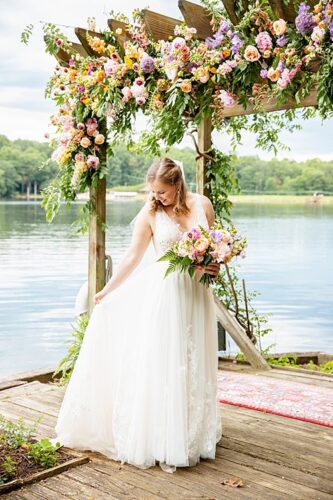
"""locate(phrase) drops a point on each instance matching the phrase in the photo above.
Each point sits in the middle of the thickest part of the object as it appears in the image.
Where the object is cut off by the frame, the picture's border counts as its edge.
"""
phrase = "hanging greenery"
(176, 83)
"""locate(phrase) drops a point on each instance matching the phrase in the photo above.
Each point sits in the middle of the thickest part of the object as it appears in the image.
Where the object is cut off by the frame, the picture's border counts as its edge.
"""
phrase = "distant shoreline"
(236, 199)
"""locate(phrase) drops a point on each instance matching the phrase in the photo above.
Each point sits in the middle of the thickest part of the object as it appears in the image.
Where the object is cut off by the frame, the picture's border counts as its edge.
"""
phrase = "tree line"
(21, 173)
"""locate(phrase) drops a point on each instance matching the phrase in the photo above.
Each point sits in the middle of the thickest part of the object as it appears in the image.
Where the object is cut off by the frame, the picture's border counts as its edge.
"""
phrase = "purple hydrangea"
(264, 41)
(281, 41)
(147, 64)
(263, 73)
(304, 21)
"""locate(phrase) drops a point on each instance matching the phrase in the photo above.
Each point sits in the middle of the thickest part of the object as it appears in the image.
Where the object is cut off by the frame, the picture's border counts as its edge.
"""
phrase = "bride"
(143, 389)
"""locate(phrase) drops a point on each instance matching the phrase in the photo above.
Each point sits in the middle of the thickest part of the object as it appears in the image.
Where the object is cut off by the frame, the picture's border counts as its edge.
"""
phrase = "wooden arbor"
(161, 27)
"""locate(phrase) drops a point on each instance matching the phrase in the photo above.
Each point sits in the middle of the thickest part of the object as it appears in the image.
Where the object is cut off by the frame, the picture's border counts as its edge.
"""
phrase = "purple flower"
(280, 66)
(82, 88)
(217, 236)
(196, 233)
(281, 41)
(212, 42)
(263, 73)
(71, 62)
(304, 21)
(264, 41)
(236, 43)
(224, 27)
(147, 64)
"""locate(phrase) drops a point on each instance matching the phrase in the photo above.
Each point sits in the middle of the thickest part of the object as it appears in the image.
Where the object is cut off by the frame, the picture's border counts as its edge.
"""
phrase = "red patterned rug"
(272, 395)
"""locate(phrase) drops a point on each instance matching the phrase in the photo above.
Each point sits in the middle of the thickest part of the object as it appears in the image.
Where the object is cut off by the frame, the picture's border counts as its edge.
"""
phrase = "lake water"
(289, 261)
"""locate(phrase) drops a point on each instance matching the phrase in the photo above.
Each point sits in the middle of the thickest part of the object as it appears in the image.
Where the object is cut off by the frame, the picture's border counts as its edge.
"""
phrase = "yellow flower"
(128, 62)
(212, 69)
(226, 53)
(85, 100)
(119, 31)
(267, 54)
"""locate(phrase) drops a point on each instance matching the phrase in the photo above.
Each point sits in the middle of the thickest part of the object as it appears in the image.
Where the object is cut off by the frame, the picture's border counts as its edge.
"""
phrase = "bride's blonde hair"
(168, 172)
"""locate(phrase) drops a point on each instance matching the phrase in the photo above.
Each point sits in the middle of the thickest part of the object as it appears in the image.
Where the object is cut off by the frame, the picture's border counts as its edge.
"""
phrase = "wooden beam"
(237, 333)
(159, 26)
(196, 16)
(272, 105)
(82, 33)
(230, 7)
(204, 144)
(287, 11)
(96, 264)
(124, 36)
(63, 57)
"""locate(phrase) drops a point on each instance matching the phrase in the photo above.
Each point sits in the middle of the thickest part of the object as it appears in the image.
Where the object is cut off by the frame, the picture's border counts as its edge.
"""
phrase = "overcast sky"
(25, 70)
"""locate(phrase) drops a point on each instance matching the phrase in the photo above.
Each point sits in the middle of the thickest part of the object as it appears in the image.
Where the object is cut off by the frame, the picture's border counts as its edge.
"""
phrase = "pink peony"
(93, 161)
(110, 67)
(178, 43)
(251, 53)
(127, 93)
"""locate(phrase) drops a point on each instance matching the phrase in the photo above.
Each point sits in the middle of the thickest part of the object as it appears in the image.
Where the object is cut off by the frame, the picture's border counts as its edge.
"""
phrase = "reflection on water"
(43, 266)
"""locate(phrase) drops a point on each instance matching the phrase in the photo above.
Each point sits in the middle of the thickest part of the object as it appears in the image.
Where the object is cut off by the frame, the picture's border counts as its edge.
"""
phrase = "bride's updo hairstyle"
(168, 172)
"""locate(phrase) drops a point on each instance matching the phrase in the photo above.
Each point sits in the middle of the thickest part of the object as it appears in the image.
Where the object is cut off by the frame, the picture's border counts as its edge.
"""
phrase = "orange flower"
(226, 53)
(186, 86)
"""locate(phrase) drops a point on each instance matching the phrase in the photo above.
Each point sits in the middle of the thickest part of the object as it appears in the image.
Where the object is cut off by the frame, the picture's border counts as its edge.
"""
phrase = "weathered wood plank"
(290, 474)
(270, 105)
(196, 16)
(237, 333)
(287, 10)
(159, 26)
(82, 34)
(119, 25)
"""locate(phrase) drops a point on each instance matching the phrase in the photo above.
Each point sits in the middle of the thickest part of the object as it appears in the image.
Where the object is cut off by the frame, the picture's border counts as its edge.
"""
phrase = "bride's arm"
(140, 240)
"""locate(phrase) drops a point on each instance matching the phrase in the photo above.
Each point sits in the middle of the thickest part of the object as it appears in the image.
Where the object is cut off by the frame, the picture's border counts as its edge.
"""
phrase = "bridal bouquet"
(199, 247)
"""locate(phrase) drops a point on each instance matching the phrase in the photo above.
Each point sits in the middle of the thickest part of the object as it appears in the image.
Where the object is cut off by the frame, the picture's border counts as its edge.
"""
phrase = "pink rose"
(93, 161)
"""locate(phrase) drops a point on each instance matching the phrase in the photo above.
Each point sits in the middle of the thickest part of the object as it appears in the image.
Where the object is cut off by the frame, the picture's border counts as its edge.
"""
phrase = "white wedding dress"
(144, 386)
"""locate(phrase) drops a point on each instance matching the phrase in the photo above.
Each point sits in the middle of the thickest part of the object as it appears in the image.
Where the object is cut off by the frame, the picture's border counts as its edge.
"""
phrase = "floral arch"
(224, 66)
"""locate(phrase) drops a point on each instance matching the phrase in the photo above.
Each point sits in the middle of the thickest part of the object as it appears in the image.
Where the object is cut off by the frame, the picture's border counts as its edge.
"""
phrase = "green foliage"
(327, 367)
(229, 289)
(26, 34)
(66, 365)
(15, 434)
(284, 360)
(7, 469)
(43, 453)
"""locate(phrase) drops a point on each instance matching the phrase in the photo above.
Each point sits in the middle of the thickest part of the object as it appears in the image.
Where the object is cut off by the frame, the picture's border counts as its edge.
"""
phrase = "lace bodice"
(168, 231)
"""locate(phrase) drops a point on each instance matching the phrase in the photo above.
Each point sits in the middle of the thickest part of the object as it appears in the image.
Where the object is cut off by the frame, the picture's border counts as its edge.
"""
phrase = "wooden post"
(204, 144)
(96, 265)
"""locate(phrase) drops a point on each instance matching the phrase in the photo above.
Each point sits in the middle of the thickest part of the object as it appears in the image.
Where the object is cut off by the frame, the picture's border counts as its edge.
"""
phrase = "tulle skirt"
(144, 386)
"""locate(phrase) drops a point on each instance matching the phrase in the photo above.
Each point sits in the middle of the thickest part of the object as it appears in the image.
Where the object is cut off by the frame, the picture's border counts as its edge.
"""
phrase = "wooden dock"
(275, 457)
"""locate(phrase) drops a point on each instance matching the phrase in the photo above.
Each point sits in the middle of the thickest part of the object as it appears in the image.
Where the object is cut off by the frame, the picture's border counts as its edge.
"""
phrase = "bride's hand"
(213, 268)
(99, 296)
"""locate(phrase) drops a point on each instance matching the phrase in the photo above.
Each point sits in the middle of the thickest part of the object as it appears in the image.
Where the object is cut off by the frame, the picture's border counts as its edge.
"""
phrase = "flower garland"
(178, 82)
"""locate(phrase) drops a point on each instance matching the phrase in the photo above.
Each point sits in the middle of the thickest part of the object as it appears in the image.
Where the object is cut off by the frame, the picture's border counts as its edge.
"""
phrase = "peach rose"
(251, 53)
(85, 142)
(279, 27)
(202, 74)
(201, 245)
(273, 74)
(99, 139)
(186, 86)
